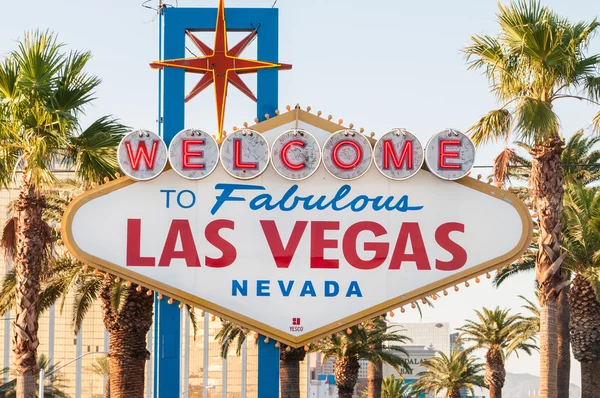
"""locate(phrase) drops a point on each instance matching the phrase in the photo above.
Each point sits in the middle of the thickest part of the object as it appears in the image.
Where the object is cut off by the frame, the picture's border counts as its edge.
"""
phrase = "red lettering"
(338, 162)
(379, 248)
(459, 254)
(237, 157)
(318, 244)
(284, 159)
(212, 236)
(141, 151)
(445, 154)
(180, 229)
(282, 255)
(187, 154)
(406, 155)
(134, 238)
(412, 231)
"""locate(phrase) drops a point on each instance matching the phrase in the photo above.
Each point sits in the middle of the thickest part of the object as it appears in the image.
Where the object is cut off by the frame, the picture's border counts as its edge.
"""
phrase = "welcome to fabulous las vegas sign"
(295, 228)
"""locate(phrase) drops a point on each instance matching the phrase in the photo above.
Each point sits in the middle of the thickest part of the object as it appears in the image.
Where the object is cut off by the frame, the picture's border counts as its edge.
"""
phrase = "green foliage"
(536, 59)
(459, 370)
(43, 91)
(360, 343)
(101, 367)
(498, 330)
(581, 234)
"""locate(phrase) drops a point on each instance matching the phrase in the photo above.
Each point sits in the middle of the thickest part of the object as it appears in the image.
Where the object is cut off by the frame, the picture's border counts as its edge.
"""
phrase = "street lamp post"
(43, 372)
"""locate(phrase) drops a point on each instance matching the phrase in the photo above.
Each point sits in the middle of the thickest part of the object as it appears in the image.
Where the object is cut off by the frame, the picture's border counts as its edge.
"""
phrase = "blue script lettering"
(290, 200)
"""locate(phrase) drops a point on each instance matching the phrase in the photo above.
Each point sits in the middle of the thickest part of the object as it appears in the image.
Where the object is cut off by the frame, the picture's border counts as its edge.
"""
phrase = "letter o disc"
(193, 154)
(245, 154)
(142, 155)
(393, 145)
(347, 154)
(453, 149)
(296, 154)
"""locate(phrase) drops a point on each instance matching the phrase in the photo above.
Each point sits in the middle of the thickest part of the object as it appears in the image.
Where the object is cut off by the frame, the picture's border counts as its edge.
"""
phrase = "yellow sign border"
(289, 339)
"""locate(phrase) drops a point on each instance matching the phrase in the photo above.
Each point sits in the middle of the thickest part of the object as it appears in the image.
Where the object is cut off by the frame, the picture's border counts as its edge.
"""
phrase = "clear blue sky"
(378, 64)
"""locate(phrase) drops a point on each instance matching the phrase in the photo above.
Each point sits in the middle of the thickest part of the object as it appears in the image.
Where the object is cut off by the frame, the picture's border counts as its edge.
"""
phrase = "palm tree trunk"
(345, 371)
(374, 378)
(32, 237)
(590, 379)
(495, 374)
(107, 388)
(127, 328)
(564, 344)
(453, 393)
(546, 183)
(289, 371)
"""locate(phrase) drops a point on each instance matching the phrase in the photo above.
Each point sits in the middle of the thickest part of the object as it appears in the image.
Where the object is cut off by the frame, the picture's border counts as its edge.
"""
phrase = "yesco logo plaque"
(297, 232)
(296, 154)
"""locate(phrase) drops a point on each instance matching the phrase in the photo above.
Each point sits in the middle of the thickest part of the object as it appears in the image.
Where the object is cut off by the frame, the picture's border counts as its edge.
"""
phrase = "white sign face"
(347, 155)
(450, 154)
(297, 260)
(296, 154)
(398, 154)
(142, 155)
(245, 154)
(193, 154)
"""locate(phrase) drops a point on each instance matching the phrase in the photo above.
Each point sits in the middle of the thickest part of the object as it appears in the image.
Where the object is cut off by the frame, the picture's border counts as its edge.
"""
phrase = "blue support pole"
(167, 317)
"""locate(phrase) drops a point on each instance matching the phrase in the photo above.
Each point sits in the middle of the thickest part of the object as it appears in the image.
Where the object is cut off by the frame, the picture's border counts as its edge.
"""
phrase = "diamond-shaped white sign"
(296, 260)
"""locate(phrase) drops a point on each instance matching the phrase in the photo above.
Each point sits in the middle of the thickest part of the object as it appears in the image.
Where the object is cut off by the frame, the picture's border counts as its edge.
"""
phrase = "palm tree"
(582, 243)
(54, 382)
(538, 59)
(450, 374)
(43, 90)
(101, 368)
(357, 343)
(579, 150)
(394, 387)
(501, 334)
(289, 357)
(127, 309)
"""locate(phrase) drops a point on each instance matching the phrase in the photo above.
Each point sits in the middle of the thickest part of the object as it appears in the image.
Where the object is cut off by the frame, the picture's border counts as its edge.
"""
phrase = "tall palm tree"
(450, 374)
(581, 165)
(501, 334)
(582, 243)
(394, 387)
(43, 90)
(289, 357)
(357, 343)
(537, 60)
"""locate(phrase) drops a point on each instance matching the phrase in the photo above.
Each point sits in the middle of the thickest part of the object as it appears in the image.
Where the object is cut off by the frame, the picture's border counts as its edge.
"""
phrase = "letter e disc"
(193, 154)
(347, 154)
(398, 155)
(142, 155)
(296, 154)
(450, 154)
(245, 154)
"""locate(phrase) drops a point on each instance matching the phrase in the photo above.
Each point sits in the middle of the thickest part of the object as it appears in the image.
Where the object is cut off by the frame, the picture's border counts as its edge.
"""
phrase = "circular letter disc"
(347, 154)
(295, 154)
(398, 155)
(193, 154)
(450, 155)
(142, 155)
(245, 154)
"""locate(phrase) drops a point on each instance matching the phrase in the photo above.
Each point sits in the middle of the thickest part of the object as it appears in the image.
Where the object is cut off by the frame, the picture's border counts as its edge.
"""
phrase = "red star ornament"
(220, 65)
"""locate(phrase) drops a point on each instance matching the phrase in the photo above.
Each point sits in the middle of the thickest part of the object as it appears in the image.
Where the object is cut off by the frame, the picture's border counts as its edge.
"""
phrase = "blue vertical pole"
(167, 319)
(268, 99)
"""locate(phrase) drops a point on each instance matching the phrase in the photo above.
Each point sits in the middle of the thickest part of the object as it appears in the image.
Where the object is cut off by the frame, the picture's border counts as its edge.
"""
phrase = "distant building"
(431, 335)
